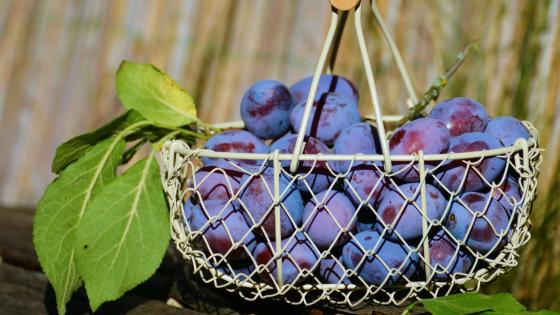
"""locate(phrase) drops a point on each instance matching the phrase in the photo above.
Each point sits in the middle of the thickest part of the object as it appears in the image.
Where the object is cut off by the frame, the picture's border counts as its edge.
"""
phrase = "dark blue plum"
(319, 178)
(508, 193)
(298, 255)
(487, 226)
(327, 83)
(425, 134)
(329, 116)
(218, 182)
(332, 271)
(321, 221)
(452, 172)
(461, 115)
(239, 141)
(371, 268)
(358, 138)
(365, 183)
(224, 228)
(507, 129)
(447, 258)
(407, 221)
(256, 197)
(265, 109)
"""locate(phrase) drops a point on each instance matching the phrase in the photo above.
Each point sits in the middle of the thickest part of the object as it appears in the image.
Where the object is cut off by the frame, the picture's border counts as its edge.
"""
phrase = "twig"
(433, 92)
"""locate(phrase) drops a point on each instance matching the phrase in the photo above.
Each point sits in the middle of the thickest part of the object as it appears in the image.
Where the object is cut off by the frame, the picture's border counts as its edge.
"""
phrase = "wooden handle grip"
(344, 5)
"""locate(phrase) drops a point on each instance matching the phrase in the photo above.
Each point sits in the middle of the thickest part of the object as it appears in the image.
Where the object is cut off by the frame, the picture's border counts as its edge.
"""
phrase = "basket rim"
(520, 145)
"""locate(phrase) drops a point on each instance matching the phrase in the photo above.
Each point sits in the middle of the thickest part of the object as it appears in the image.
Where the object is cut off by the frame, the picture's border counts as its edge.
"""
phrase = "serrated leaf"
(470, 303)
(63, 206)
(75, 148)
(154, 94)
(124, 234)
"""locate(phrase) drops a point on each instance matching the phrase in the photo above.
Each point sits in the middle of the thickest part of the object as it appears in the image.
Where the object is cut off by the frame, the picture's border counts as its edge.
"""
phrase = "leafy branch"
(106, 231)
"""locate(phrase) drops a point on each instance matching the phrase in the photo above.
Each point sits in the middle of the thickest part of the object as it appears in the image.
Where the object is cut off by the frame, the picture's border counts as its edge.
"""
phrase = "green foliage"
(76, 147)
(61, 209)
(106, 231)
(155, 95)
(123, 237)
(475, 303)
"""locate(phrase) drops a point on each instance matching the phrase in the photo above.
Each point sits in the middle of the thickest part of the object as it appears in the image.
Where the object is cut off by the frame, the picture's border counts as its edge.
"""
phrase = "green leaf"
(76, 147)
(470, 303)
(154, 94)
(62, 207)
(124, 233)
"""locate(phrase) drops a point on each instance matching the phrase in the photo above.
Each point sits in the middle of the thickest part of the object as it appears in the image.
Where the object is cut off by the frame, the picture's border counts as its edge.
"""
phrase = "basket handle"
(372, 90)
(313, 89)
(335, 29)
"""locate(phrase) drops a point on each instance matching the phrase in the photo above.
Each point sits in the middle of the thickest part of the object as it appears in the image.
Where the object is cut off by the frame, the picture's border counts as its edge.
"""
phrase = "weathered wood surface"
(26, 290)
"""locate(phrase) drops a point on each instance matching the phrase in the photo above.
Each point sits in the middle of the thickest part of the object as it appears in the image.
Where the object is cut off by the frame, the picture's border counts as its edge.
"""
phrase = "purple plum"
(425, 134)
(358, 138)
(507, 129)
(461, 115)
(319, 178)
(298, 254)
(488, 224)
(327, 83)
(239, 141)
(406, 217)
(265, 109)
(223, 227)
(256, 197)
(329, 116)
(452, 172)
(389, 263)
(321, 221)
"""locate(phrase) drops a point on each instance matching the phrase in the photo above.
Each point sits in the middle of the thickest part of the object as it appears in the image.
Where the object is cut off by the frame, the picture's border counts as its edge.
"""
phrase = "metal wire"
(181, 162)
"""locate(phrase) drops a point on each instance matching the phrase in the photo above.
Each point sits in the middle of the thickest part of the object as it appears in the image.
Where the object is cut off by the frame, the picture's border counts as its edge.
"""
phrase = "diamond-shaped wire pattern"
(263, 232)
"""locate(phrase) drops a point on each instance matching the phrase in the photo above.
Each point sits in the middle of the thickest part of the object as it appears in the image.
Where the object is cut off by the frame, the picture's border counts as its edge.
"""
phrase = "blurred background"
(58, 59)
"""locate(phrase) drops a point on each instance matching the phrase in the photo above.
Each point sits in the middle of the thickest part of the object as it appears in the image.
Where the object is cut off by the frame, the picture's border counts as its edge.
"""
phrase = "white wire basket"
(275, 256)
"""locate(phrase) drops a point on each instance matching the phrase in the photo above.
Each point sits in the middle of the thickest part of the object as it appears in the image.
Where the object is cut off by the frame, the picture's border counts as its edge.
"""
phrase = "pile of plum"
(348, 221)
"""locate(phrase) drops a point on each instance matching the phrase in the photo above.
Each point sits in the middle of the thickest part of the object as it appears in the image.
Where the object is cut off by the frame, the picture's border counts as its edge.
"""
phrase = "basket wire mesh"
(231, 263)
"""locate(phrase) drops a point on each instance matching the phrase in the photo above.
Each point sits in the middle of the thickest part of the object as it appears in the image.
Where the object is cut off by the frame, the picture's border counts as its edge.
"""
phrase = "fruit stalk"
(433, 91)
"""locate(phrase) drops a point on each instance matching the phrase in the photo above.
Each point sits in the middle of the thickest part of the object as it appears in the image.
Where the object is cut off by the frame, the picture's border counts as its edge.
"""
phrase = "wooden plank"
(16, 243)
(28, 292)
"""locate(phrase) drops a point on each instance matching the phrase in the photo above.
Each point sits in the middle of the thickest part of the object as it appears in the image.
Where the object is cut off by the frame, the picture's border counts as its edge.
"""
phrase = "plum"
(265, 109)
(332, 271)
(358, 138)
(323, 227)
(298, 254)
(224, 228)
(389, 263)
(447, 258)
(508, 193)
(239, 141)
(407, 221)
(327, 83)
(329, 116)
(217, 182)
(365, 183)
(487, 225)
(319, 178)
(425, 134)
(452, 172)
(461, 115)
(507, 129)
(256, 197)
